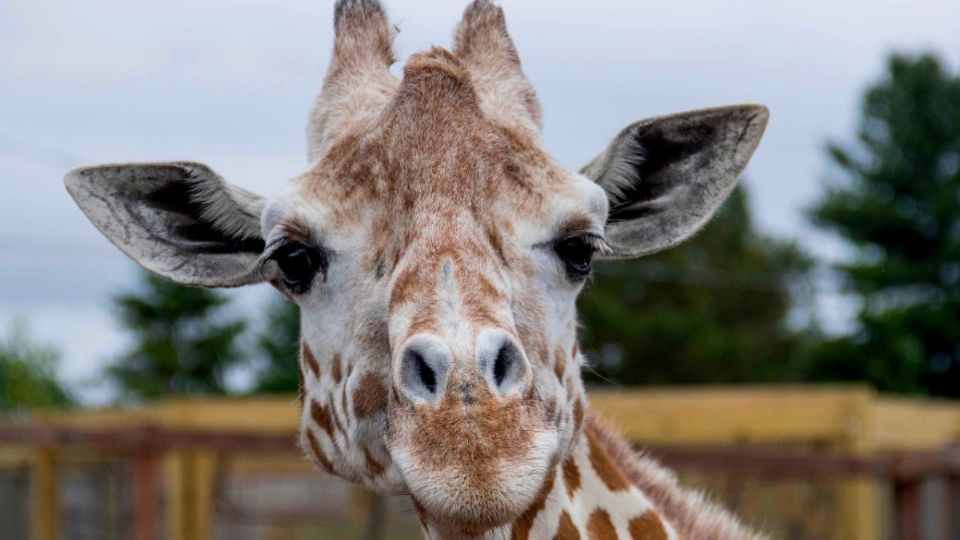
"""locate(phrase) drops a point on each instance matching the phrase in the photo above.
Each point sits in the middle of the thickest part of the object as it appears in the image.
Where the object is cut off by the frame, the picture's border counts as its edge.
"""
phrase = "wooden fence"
(871, 444)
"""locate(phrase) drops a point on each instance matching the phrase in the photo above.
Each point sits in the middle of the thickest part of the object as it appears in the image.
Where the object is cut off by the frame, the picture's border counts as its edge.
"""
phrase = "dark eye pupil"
(298, 264)
(576, 255)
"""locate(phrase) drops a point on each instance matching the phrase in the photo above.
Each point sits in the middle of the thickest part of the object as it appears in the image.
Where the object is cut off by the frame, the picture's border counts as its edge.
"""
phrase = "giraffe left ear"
(665, 177)
(181, 221)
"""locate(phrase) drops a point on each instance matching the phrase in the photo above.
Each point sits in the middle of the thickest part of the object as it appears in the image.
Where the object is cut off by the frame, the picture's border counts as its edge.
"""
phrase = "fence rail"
(872, 444)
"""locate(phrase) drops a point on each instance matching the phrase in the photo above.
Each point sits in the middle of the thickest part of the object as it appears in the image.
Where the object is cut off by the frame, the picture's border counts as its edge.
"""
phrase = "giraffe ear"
(178, 220)
(665, 177)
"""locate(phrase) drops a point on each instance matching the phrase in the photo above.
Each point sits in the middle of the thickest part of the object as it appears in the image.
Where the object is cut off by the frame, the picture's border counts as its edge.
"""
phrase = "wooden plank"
(146, 500)
(860, 497)
(725, 415)
(191, 483)
(203, 470)
(662, 415)
(176, 475)
(46, 496)
(952, 504)
(914, 425)
(775, 464)
(16, 456)
(907, 501)
(262, 415)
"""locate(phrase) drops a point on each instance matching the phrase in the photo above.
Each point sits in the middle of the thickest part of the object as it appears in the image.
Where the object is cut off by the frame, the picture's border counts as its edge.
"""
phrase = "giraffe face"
(436, 262)
(436, 252)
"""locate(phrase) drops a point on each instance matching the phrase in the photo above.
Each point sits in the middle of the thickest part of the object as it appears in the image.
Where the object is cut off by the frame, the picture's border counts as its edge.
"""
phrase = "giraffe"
(436, 251)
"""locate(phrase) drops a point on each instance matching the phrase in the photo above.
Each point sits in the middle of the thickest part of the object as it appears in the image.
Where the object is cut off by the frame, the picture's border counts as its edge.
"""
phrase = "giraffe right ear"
(179, 220)
(665, 177)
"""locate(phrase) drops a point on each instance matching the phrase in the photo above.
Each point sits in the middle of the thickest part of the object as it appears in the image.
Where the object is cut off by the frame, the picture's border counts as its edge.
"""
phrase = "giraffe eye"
(298, 266)
(576, 253)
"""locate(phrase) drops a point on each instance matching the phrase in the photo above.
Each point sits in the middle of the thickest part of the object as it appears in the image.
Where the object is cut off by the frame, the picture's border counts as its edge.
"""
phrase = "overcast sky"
(229, 83)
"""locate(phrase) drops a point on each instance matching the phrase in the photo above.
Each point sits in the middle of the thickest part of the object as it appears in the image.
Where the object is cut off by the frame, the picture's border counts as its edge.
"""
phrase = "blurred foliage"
(28, 373)
(279, 345)
(897, 202)
(182, 341)
(714, 309)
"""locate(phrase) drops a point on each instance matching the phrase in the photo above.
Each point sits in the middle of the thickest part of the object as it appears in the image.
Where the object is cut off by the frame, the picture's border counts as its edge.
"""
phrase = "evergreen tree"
(28, 373)
(279, 344)
(713, 309)
(183, 342)
(897, 201)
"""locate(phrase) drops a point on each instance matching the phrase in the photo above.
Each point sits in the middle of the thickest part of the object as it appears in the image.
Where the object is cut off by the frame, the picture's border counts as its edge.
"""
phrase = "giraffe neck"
(589, 495)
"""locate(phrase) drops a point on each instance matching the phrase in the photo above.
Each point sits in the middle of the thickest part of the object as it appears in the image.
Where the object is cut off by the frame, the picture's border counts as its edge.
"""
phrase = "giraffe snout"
(427, 370)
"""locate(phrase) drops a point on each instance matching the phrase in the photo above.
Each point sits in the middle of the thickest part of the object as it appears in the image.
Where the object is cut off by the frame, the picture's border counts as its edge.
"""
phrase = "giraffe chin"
(451, 499)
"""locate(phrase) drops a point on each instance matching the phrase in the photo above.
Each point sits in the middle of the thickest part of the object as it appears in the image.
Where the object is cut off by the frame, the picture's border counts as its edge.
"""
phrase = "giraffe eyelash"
(598, 244)
(269, 250)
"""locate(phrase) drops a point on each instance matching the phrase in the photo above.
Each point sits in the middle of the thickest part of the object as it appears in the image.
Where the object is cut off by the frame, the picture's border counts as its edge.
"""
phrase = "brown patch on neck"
(599, 526)
(577, 415)
(335, 370)
(321, 415)
(336, 420)
(370, 396)
(309, 359)
(566, 530)
(318, 453)
(523, 524)
(571, 476)
(686, 510)
(606, 469)
(560, 362)
(647, 526)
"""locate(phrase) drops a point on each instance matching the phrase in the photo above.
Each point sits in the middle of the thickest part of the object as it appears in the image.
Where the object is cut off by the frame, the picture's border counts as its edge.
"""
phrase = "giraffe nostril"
(502, 365)
(428, 377)
(423, 367)
(502, 362)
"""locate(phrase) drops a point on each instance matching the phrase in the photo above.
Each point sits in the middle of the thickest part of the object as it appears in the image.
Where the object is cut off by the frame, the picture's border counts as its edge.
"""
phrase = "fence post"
(204, 492)
(190, 489)
(907, 495)
(46, 495)
(953, 507)
(177, 495)
(860, 495)
(146, 496)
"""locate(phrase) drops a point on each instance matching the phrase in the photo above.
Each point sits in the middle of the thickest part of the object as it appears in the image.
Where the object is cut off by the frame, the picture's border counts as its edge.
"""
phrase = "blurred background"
(797, 358)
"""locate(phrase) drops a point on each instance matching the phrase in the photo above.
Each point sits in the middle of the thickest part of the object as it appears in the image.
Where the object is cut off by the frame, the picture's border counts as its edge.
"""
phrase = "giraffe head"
(436, 252)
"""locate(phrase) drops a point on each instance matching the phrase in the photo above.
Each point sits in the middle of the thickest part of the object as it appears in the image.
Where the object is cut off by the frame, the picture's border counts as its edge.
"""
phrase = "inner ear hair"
(231, 210)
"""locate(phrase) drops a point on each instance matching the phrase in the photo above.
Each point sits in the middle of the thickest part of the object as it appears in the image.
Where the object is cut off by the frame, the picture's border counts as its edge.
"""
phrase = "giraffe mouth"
(473, 467)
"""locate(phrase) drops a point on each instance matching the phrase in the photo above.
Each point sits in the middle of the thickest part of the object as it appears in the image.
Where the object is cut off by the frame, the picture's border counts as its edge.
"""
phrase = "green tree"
(28, 373)
(279, 343)
(714, 309)
(896, 200)
(184, 342)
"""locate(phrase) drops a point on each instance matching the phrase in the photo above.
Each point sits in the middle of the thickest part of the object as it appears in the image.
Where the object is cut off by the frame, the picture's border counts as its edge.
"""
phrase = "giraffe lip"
(472, 511)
